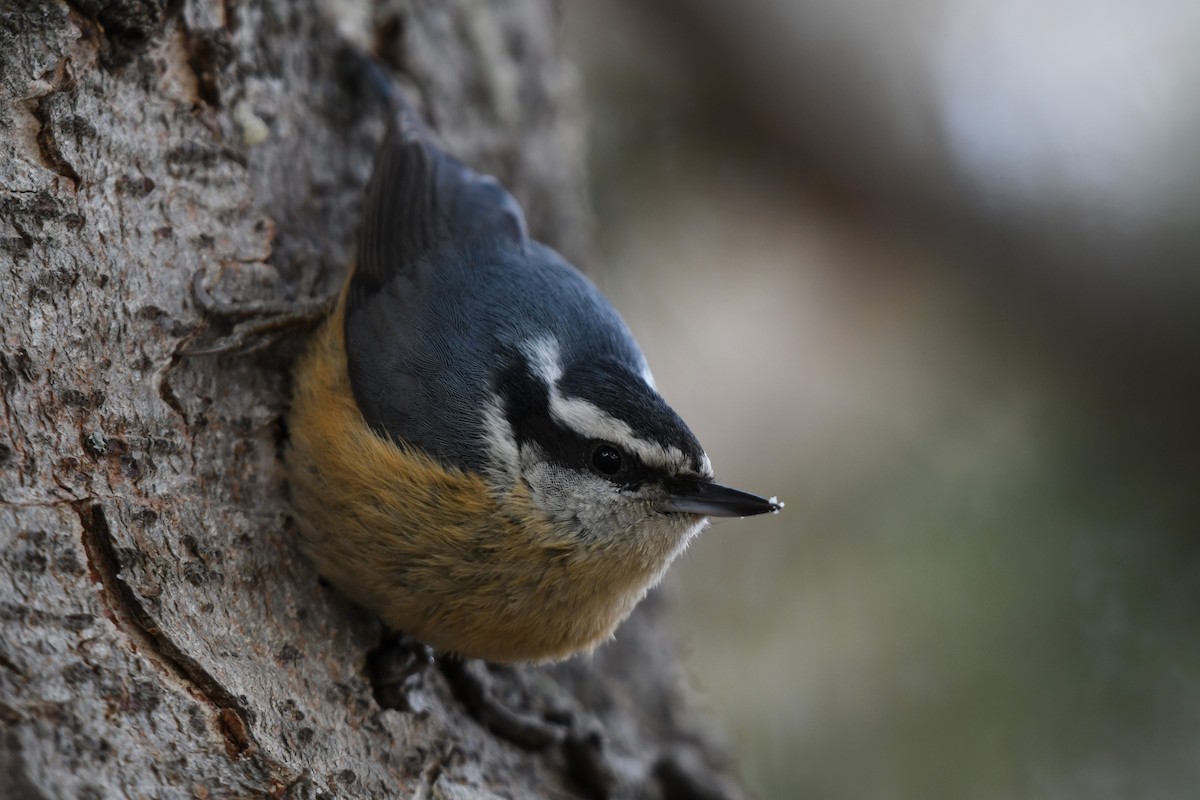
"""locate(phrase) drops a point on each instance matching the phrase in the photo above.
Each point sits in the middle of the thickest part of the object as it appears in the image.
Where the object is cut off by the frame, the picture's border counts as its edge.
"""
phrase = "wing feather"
(423, 208)
(421, 198)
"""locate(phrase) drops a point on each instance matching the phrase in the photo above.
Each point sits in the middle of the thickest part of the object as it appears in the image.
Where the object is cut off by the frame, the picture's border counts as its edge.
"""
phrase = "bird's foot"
(397, 670)
(254, 325)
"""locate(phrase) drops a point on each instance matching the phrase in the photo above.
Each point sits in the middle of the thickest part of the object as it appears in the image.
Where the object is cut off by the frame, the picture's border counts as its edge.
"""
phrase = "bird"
(478, 452)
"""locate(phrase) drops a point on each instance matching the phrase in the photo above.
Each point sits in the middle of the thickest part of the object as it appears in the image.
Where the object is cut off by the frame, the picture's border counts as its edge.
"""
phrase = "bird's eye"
(606, 459)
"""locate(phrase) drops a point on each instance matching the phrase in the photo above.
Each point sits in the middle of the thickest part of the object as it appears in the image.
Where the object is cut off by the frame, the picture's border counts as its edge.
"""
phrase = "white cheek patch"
(590, 507)
(591, 422)
(585, 501)
(500, 441)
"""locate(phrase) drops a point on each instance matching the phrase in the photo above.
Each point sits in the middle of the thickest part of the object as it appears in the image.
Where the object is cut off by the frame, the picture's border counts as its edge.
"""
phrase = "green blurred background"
(930, 272)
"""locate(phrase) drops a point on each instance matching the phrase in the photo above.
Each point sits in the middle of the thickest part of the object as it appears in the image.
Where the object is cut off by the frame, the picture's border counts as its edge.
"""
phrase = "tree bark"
(160, 636)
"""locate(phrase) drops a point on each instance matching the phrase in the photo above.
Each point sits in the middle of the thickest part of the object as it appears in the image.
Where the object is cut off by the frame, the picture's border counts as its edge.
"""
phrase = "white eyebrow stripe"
(648, 376)
(592, 422)
(544, 359)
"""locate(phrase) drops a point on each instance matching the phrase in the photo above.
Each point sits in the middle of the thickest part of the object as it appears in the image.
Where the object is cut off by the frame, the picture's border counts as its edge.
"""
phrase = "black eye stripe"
(527, 408)
(622, 394)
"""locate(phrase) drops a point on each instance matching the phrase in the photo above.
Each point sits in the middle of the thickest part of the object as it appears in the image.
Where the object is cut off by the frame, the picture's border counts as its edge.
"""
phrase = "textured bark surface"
(159, 634)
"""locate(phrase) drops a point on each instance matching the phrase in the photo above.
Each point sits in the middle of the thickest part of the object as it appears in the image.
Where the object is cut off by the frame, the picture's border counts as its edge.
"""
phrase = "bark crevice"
(126, 611)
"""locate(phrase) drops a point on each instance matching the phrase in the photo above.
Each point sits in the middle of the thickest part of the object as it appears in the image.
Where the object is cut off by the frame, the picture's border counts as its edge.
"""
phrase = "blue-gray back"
(448, 289)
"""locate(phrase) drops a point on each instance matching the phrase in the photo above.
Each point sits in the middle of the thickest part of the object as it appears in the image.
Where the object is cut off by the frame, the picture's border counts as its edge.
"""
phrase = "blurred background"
(930, 272)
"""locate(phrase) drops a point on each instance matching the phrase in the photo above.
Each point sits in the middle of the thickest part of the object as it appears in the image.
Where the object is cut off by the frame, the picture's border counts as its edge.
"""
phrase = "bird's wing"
(423, 208)
(420, 199)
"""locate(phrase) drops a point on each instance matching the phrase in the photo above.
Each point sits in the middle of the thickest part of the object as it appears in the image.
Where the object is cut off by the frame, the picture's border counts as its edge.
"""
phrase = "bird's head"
(600, 452)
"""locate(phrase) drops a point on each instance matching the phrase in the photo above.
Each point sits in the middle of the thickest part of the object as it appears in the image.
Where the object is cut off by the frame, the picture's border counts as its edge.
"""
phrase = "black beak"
(715, 500)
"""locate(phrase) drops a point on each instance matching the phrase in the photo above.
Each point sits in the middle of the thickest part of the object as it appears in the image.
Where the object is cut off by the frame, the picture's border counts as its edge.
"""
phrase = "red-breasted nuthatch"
(478, 452)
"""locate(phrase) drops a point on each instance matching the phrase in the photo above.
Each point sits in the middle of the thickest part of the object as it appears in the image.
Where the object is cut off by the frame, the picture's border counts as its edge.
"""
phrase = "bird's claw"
(258, 324)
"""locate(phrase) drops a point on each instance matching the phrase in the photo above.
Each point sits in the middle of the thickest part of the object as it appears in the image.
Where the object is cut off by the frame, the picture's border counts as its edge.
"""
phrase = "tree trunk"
(160, 636)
